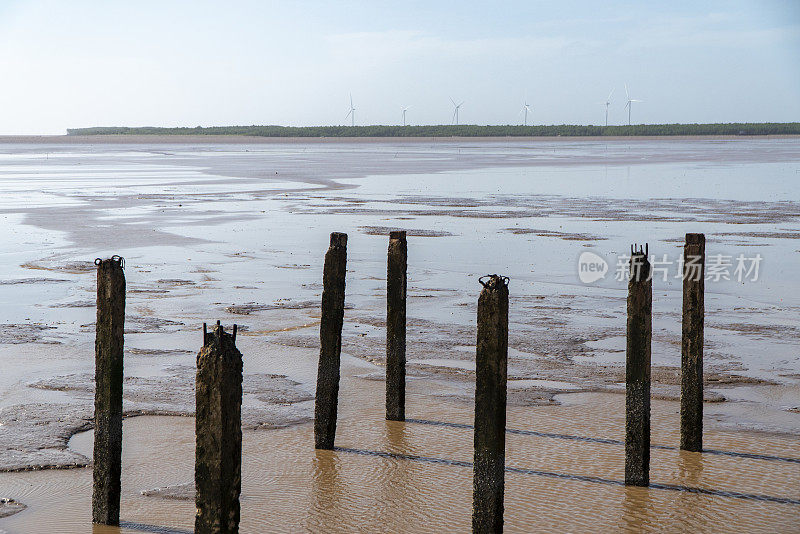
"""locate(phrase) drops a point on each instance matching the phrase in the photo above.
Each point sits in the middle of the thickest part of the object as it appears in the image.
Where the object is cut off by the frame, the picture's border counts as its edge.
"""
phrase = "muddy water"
(416, 476)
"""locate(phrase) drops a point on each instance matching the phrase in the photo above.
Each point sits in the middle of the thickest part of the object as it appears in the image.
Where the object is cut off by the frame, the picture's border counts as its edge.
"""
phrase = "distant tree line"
(461, 130)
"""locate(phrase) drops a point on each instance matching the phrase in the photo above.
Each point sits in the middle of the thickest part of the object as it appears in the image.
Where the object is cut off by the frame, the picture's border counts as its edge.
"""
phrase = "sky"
(201, 63)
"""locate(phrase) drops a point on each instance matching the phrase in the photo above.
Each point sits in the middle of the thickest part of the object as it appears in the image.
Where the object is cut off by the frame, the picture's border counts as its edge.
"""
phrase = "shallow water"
(416, 476)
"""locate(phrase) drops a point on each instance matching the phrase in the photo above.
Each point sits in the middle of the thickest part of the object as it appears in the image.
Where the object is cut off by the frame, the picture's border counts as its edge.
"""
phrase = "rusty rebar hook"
(115, 257)
(505, 279)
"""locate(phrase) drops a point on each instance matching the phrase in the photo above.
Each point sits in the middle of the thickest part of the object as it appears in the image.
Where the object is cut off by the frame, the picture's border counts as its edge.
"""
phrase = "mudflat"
(214, 229)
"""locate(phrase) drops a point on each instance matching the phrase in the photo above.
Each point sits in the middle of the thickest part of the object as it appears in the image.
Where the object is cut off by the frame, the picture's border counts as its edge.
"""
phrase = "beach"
(235, 230)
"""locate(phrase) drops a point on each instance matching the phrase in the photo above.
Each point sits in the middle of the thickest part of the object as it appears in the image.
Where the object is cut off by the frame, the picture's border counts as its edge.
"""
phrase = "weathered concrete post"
(108, 346)
(488, 483)
(694, 257)
(637, 371)
(396, 327)
(218, 433)
(330, 337)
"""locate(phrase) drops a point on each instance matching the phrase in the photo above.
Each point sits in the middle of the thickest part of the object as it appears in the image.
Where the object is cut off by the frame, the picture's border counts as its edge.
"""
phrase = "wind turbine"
(608, 103)
(351, 113)
(526, 109)
(630, 101)
(455, 111)
(404, 114)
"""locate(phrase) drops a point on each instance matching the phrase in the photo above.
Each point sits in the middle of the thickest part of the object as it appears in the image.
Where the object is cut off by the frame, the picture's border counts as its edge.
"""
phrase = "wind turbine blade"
(351, 100)
(453, 101)
(348, 113)
(461, 104)
(609, 95)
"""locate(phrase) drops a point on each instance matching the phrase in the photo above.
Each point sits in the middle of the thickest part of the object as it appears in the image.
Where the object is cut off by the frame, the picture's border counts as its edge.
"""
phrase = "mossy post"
(330, 337)
(637, 370)
(396, 267)
(108, 347)
(488, 483)
(218, 433)
(694, 257)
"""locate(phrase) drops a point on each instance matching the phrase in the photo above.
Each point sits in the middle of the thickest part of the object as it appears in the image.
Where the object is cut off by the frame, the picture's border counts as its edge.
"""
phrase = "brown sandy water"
(416, 477)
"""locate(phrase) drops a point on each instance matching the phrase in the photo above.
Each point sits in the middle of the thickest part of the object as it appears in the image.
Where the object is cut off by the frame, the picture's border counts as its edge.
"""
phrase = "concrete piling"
(490, 406)
(218, 422)
(637, 370)
(108, 347)
(694, 256)
(330, 336)
(396, 327)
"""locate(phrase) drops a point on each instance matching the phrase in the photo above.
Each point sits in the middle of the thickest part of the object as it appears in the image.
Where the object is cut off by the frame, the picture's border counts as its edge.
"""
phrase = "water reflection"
(397, 480)
(327, 490)
(637, 509)
(690, 467)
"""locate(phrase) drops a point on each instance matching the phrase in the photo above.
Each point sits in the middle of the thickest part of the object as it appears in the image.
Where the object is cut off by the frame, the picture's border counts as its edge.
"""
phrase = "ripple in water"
(417, 477)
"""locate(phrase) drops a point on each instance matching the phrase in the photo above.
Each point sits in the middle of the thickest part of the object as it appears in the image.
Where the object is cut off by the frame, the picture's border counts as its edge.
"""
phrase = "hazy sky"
(165, 63)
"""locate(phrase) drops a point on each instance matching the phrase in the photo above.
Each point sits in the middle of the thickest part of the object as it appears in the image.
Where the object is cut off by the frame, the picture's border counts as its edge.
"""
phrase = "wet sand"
(212, 232)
